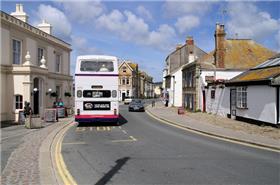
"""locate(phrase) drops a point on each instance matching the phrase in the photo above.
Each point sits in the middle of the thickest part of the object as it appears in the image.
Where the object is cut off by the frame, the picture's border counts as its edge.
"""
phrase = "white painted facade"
(219, 75)
(220, 105)
(176, 89)
(22, 78)
(261, 103)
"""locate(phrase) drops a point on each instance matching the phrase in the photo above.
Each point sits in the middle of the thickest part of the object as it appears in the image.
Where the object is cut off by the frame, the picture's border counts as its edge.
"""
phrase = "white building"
(35, 66)
(173, 78)
(257, 93)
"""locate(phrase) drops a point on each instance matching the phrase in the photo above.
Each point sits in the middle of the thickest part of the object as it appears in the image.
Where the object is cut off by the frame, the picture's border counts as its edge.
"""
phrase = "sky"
(145, 32)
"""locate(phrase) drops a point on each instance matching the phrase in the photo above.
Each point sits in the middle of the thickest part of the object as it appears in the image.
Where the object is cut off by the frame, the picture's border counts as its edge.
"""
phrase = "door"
(204, 101)
(123, 96)
(233, 102)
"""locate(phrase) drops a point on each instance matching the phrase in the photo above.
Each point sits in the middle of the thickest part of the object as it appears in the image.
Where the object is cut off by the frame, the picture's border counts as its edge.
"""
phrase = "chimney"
(20, 14)
(220, 48)
(46, 27)
(190, 49)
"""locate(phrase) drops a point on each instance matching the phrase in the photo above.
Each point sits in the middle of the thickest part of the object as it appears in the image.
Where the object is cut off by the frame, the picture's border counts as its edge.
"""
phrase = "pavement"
(21, 160)
(217, 126)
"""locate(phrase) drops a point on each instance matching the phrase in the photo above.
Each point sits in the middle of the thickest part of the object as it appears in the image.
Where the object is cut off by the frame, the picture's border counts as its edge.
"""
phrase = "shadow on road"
(108, 176)
(122, 121)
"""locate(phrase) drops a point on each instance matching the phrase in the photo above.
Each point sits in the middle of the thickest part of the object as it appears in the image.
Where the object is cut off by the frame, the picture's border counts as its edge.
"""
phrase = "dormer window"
(124, 69)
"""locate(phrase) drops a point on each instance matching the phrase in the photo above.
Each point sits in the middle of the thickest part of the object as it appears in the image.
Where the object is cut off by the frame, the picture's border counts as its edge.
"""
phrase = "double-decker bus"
(96, 86)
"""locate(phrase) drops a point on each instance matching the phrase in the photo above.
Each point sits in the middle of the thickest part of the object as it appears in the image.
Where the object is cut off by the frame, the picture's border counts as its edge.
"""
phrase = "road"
(145, 151)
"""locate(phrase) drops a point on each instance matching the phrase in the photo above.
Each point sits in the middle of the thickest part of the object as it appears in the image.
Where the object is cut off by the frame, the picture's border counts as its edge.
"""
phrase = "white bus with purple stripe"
(96, 86)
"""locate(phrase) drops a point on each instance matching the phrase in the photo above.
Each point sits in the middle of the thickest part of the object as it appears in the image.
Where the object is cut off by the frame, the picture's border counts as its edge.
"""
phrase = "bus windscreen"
(97, 66)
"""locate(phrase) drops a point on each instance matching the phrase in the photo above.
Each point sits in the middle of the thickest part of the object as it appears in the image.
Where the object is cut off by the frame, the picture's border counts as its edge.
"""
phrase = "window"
(127, 81)
(18, 101)
(120, 81)
(212, 94)
(39, 55)
(97, 66)
(123, 81)
(16, 52)
(57, 63)
(127, 93)
(124, 69)
(241, 97)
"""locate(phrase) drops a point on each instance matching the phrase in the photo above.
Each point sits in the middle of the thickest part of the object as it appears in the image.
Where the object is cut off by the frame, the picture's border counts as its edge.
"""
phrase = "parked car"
(127, 100)
(136, 105)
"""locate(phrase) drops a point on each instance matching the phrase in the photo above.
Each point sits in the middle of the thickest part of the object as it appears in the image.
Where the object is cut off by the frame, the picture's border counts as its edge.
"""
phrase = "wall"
(177, 83)
(220, 105)
(261, 103)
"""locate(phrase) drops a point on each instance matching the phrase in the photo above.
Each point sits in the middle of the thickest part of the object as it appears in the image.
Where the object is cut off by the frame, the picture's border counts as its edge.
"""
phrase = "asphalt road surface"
(145, 151)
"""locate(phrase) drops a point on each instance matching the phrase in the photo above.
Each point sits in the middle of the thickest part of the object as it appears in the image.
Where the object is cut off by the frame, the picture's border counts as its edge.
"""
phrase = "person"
(166, 103)
(56, 112)
(103, 68)
(27, 109)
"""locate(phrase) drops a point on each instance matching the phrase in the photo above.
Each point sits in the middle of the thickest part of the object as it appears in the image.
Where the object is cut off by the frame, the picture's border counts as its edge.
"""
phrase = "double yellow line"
(62, 170)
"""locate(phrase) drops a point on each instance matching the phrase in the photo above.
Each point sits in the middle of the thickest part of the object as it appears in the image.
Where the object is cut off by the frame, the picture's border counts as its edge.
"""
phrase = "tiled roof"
(240, 54)
(245, 54)
(258, 74)
(133, 66)
(266, 71)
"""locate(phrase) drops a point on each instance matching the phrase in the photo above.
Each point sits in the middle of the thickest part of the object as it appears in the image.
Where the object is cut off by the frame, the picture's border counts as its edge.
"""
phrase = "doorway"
(232, 103)
(37, 96)
(123, 96)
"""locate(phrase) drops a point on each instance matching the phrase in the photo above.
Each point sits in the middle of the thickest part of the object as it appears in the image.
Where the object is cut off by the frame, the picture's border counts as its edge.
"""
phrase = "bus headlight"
(79, 93)
(114, 93)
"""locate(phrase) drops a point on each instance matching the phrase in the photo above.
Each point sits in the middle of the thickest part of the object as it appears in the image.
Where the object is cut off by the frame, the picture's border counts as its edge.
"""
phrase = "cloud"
(277, 38)
(60, 24)
(142, 11)
(248, 21)
(82, 11)
(81, 46)
(186, 23)
(131, 28)
(181, 8)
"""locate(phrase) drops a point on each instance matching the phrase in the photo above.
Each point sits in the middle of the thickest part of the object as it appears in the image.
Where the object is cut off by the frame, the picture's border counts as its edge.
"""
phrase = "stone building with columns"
(35, 66)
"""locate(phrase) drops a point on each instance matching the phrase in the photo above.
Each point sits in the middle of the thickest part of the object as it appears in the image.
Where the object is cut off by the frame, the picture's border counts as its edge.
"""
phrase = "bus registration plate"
(97, 106)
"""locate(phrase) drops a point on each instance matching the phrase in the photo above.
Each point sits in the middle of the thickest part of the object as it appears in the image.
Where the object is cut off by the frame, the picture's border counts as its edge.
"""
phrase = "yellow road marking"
(97, 128)
(124, 131)
(211, 136)
(62, 169)
(123, 140)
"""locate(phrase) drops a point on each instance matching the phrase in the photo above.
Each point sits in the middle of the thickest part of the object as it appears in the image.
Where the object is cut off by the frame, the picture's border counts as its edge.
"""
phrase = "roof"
(265, 72)
(32, 29)
(133, 66)
(241, 54)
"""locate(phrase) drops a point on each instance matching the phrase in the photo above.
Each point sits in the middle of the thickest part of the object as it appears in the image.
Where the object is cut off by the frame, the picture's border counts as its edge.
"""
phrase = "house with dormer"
(128, 80)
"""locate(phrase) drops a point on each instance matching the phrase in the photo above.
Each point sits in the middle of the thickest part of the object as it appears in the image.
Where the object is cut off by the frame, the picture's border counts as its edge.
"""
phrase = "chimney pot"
(17, 7)
(189, 40)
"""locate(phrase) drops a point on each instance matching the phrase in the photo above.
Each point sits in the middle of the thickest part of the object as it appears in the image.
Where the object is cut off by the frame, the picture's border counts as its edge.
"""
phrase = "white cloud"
(131, 28)
(83, 11)
(142, 11)
(277, 38)
(248, 21)
(58, 20)
(81, 46)
(186, 23)
(180, 8)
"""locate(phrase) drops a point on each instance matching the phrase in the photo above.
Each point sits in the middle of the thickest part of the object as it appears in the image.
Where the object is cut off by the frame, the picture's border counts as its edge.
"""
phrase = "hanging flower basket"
(53, 94)
(67, 94)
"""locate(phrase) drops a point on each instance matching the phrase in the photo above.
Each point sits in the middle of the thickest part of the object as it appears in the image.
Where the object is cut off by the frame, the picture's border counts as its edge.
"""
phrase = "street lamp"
(34, 91)
(49, 91)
